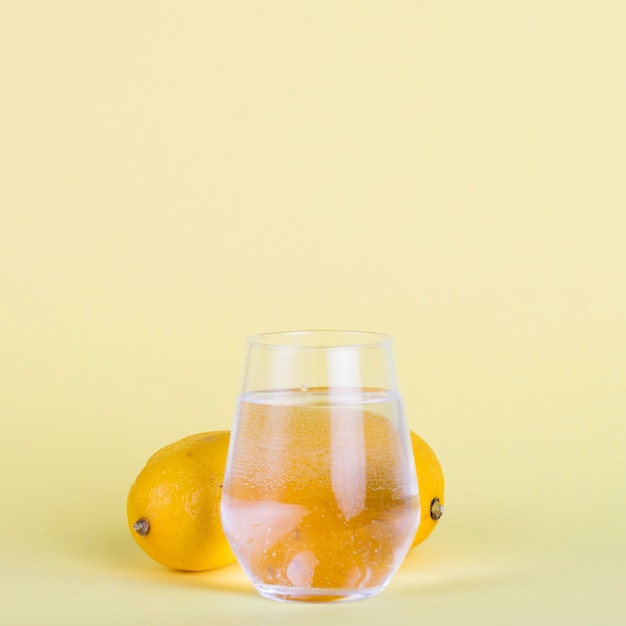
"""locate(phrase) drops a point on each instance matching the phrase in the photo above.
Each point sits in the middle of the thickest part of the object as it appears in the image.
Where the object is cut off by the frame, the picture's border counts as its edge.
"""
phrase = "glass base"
(308, 594)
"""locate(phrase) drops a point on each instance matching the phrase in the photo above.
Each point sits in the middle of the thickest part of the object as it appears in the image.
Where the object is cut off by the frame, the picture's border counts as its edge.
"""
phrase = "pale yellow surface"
(175, 176)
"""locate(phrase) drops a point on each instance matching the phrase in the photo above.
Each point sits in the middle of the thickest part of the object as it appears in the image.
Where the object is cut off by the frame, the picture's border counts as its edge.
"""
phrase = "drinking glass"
(320, 496)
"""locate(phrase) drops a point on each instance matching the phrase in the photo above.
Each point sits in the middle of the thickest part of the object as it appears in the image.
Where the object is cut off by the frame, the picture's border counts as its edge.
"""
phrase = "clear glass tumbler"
(320, 498)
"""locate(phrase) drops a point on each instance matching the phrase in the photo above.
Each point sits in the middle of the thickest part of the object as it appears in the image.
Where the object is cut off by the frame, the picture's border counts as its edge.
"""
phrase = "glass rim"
(344, 340)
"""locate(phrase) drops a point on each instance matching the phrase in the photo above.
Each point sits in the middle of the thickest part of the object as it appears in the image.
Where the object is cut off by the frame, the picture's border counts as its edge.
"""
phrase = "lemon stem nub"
(142, 527)
(436, 509)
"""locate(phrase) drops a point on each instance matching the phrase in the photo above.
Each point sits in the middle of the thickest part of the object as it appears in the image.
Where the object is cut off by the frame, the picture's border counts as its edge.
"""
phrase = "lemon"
(431, 484)
(173, 507)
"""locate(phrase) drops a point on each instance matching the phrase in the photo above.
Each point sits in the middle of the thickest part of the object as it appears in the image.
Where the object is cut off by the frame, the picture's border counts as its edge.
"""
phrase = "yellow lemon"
(173, 507)
(431, 483)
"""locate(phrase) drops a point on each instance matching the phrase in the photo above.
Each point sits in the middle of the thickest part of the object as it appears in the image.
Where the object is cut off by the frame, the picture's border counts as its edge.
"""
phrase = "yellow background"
(175, 176)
